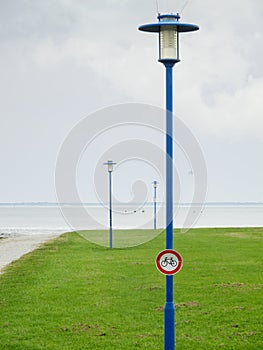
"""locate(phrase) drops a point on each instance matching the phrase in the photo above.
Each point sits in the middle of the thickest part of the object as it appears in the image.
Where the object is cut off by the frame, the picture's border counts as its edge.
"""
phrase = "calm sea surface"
(32, 219)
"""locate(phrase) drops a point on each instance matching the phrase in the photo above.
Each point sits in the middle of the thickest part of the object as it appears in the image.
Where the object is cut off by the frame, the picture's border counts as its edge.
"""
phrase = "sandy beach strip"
(13, 248)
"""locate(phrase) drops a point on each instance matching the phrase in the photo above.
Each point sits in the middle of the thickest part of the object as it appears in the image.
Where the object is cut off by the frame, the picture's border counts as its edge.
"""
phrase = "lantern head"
(168, 27)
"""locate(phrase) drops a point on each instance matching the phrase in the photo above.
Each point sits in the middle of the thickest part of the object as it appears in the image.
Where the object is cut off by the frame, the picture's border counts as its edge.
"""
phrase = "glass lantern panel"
(168, 43)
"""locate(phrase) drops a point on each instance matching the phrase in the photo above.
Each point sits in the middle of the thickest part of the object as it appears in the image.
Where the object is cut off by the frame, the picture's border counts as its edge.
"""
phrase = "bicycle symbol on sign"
(168, 261)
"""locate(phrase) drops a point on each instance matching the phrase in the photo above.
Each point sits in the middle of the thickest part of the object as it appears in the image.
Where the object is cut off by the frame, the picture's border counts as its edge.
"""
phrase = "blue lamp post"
(110, 170)
(154, 203)
(168, 27)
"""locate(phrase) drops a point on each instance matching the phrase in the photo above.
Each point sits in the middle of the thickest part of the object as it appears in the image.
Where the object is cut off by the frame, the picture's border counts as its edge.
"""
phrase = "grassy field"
(71, 294)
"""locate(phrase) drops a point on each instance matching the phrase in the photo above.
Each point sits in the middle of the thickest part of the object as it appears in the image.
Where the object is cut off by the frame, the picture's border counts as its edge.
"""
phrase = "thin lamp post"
(110, 170)
(154, 203)
(168, 27)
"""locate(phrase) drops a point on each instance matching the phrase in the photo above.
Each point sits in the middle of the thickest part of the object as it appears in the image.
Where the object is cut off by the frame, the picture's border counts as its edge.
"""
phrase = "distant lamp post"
(168, 27)
(154, 203)
(110, 165)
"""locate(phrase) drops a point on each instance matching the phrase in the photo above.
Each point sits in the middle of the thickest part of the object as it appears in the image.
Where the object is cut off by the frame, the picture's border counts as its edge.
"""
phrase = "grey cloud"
(62, 59)
(23, 20)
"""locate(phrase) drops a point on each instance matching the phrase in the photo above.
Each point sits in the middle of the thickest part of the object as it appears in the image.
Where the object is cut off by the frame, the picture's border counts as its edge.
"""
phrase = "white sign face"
(169, 262)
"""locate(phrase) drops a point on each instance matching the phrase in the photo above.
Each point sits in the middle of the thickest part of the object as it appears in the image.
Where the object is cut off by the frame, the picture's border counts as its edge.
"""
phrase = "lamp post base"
(169, 328)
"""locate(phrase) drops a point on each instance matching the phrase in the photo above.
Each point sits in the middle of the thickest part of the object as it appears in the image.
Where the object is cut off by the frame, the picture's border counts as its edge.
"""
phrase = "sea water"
(17, 219)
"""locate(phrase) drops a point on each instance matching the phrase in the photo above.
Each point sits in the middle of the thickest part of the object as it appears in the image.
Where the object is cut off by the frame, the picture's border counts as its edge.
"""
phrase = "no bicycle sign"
(169, 262)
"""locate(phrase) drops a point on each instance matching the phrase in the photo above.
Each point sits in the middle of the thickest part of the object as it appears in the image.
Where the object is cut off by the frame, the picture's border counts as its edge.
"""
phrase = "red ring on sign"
(177, 267)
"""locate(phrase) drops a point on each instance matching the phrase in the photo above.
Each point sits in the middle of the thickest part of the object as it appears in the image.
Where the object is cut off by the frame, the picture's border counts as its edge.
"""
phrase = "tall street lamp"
(168, 27)
(154, 203)
(110, 170)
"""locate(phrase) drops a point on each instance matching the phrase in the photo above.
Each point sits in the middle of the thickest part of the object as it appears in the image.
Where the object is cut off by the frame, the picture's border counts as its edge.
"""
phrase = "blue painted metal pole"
(169, 310)
(168, 27)
(110, 199)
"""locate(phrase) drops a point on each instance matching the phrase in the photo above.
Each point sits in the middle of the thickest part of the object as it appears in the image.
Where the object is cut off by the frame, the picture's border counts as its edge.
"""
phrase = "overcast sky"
(61, 60)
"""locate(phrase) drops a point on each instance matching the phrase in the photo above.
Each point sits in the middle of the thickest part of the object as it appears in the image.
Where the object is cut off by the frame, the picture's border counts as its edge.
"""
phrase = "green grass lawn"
(72, 294)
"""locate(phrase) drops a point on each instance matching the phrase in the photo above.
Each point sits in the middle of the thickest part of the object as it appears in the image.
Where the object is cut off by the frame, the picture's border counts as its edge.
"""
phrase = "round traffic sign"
(169, 262)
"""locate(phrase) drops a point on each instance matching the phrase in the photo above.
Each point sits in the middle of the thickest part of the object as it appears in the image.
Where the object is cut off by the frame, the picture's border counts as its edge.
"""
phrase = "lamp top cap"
(109, 162)
(168, 16)
(166, 20)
